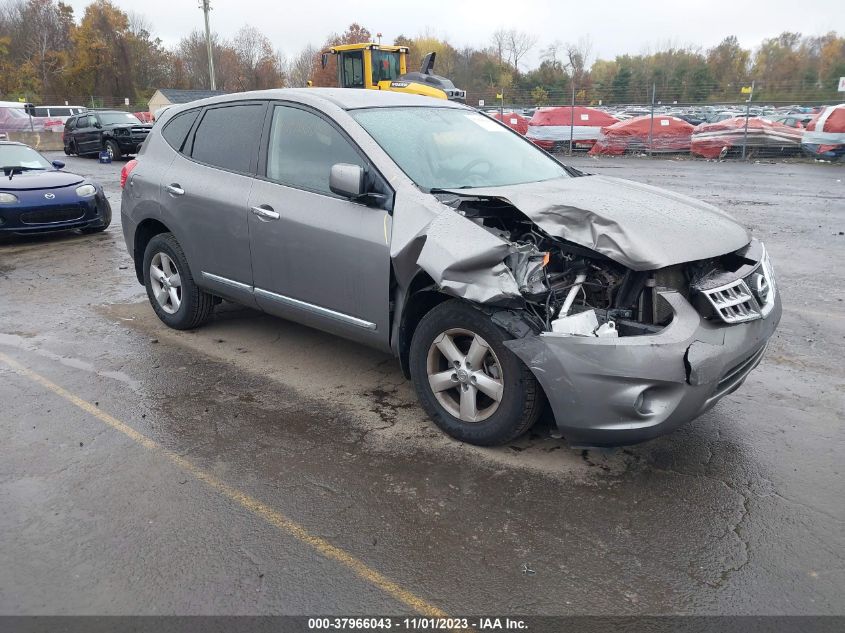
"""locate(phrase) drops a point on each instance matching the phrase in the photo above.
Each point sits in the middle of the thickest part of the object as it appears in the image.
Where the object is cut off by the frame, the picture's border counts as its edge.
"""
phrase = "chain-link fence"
(722, 121)
(654, 119)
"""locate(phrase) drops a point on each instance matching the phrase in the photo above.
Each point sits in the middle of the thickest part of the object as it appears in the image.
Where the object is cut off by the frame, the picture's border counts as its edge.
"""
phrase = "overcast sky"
(613, 26)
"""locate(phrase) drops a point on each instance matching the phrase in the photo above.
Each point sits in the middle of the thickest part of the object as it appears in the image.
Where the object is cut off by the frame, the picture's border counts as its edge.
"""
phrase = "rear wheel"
(471, 385)
(175, 297)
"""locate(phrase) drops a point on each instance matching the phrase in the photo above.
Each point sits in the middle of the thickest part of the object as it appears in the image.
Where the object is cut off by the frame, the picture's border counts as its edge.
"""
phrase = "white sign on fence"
(481, 103)
(841, 84)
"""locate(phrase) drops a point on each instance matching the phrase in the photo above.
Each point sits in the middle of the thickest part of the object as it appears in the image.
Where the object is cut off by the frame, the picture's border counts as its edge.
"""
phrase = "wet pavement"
(741, 511)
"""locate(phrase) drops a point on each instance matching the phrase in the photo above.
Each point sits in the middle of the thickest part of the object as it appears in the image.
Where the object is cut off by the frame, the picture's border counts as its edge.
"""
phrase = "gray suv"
(503, 280)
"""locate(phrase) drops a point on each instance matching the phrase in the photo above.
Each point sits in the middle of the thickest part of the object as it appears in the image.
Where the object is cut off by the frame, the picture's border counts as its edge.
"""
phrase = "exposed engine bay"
(572, 290)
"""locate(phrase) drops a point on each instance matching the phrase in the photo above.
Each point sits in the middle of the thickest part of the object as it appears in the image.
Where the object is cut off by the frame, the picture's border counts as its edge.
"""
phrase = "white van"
(62, 112)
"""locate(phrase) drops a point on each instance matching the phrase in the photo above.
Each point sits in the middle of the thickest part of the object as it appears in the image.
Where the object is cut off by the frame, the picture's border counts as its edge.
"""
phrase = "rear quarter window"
(176, 130)
(228, 136)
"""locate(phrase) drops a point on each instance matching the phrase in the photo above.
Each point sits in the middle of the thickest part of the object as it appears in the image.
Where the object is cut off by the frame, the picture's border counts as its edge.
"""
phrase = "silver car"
(502, 279)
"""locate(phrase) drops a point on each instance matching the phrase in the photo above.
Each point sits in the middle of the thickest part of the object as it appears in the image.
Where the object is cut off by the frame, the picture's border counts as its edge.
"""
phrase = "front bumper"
(33, 216)
(129, 144)
(616, 391)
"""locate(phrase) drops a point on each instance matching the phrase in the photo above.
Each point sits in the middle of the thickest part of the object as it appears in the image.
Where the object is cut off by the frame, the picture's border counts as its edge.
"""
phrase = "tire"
(194, 305)
(67, 151)
(113, 149)
(521, 398)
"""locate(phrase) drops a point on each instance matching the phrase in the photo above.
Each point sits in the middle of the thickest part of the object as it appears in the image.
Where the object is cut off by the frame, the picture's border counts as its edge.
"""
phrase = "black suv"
(119, 133)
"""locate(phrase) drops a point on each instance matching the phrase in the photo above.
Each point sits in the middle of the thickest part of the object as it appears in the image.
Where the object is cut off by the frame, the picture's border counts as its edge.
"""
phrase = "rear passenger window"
(228, 137)
(178, 127)
(303, 148)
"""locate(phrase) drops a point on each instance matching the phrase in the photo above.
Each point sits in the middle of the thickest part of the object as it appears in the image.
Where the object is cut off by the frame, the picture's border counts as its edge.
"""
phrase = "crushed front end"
(624, 355)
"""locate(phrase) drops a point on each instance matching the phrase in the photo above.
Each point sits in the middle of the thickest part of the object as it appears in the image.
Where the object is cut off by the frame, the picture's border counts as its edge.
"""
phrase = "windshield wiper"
(12, 169)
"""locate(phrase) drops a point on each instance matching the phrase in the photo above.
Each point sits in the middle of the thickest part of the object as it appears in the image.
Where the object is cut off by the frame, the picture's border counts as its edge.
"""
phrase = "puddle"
(24, 342)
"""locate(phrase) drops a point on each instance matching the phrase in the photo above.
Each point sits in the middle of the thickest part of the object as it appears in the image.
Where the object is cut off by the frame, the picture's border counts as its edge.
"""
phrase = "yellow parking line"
(274, 517)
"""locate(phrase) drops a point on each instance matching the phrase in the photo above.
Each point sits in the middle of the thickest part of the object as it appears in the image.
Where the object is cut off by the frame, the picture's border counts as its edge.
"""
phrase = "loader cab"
(378, 67)
(367, 65)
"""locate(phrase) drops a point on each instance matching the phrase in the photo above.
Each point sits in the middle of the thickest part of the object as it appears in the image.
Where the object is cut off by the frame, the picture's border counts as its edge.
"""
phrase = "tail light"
(127, 169)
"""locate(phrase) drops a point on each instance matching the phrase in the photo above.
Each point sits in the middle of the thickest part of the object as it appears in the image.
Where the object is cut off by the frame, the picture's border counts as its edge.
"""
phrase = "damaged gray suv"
(501, 279)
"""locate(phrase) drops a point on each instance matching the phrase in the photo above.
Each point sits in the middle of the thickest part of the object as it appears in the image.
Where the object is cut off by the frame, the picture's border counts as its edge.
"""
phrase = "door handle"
(175, 190)
(265, 213)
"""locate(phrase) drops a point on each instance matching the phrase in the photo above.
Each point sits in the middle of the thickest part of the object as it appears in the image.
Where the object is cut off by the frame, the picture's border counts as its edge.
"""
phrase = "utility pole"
(572, 118)
(651, 122)
(205, 5)
(747, 114)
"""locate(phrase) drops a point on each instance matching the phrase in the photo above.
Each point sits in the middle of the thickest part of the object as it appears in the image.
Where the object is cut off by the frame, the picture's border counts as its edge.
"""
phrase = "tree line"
(48, 53)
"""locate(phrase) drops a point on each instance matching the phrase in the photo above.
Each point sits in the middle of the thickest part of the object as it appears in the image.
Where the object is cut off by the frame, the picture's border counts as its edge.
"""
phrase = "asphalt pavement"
(255, 466)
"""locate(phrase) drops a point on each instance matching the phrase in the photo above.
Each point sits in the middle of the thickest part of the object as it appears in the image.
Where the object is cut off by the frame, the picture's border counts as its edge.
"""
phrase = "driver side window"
(303, 147)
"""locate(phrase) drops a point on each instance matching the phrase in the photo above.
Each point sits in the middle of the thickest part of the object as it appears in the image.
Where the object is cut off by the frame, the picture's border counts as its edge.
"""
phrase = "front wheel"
(175, 297)
(113, 150)
(471, 385)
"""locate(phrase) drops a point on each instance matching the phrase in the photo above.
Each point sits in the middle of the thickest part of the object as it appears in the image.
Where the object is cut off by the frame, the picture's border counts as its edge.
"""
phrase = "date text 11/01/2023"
(417, 624)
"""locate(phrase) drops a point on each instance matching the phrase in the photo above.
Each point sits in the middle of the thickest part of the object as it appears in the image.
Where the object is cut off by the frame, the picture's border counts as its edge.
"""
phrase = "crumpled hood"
(39, 180)
(639, 226)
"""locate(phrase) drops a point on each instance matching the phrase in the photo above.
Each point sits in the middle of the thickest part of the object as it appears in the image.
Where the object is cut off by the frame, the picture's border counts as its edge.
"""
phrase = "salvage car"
(37, 196)
(500, 278)
(117, 133)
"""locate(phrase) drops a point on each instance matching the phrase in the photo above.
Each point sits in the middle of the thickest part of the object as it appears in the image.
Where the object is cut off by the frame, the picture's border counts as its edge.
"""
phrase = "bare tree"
(578, 57)
(301, 68)
(499, 41)
(517, 45)
(258, 65)
(139, 24)
(551, 54)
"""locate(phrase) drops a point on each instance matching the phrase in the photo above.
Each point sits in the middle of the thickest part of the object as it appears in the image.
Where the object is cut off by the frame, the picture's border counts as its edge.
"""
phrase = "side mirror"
(324, 60)
(29, 108)
(58, 164)
(347, 180)
(97, 124)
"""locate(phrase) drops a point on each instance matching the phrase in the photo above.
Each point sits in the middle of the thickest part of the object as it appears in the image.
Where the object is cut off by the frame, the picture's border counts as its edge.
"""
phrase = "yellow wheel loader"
(380, 67)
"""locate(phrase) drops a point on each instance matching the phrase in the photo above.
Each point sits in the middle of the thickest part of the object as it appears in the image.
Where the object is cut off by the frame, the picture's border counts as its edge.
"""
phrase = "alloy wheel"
(465, 375)
(166, 282)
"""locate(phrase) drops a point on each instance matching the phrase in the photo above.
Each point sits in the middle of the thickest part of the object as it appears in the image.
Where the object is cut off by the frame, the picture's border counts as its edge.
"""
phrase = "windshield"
(446, 148)
(385, 66)
(117, 118)
(22, 156)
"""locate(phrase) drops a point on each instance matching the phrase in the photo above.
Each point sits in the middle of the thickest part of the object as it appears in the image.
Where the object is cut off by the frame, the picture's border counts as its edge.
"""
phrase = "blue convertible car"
(36, 196)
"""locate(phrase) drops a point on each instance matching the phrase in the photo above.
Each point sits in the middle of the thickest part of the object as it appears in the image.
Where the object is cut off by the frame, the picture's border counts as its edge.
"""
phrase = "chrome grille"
(139, 133)
(746, 299)
(734, 302)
